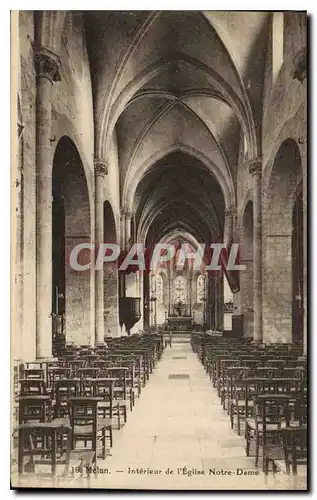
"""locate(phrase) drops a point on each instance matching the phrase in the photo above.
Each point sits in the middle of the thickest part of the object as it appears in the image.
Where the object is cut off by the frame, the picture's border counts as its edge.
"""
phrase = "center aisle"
(179, 423)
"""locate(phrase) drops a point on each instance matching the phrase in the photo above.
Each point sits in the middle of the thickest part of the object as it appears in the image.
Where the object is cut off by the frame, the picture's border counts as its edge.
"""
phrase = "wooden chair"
(47, 448)
(65, 389)
(57, 373)
(294, 447)
(234, 374)
(87, 426)
(33, 373)
(34, 408)
(271, 414)
(90, 372)
(133, 384)
(243, 390)
(108, 406)
(119, 373)
(221, 381)
(29, 387)
(290, 451)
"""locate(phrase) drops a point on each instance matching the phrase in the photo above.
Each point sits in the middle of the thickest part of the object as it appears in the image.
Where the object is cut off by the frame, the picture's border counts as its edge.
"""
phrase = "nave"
(177, 424)
(147, 130)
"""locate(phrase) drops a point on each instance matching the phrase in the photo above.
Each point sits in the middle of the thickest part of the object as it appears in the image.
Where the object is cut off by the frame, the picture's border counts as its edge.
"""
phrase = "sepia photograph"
(159, 250)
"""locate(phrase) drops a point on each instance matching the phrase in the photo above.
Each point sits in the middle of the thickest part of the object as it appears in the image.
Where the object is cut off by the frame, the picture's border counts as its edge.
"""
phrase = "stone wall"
(72, 116)
(28, 114)
(284, 119)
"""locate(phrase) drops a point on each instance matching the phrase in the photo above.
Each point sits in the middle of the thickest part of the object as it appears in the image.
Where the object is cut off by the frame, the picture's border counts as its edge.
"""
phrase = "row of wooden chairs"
(263, 389)
(66, 408)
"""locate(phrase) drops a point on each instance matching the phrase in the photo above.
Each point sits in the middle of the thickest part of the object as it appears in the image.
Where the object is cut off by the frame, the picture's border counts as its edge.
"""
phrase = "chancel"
(155, 130)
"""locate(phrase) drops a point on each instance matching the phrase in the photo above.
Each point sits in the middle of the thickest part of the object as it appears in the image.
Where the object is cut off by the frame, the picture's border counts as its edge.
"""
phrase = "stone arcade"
(156, 128)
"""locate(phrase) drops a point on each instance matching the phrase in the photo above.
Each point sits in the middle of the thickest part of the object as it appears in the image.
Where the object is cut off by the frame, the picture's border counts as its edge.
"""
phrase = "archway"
(297, 267)
(111, 305)
(246, 276)
(279, 240)
(71, 290)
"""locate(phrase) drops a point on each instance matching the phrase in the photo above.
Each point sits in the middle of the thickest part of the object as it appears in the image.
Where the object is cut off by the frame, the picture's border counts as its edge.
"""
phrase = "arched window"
(180, 290)
(200, 289)
(159, 289)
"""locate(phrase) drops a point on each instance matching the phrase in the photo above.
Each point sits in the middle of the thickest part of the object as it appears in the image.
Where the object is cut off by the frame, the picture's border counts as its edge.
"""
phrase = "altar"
(179, 323)
(179, 317)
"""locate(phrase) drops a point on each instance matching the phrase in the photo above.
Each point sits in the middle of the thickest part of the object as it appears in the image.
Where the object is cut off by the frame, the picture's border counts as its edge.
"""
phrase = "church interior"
(173, 128)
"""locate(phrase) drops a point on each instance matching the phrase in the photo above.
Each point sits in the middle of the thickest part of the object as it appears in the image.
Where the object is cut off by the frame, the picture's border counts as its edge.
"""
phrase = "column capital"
(47, 65)
(122, 213)
(230, 211)
(255, 166)
(125, 213)
(101, 167)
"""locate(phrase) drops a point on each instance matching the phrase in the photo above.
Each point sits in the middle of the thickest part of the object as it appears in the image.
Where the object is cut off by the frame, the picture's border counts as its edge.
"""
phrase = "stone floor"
(179, 437)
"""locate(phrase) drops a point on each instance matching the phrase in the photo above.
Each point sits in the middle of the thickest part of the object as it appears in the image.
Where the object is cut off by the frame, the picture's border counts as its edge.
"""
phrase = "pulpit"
(129, 312)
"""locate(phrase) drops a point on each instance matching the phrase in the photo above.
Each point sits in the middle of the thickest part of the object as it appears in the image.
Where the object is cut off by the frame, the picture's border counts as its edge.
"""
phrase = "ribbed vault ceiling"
(164, 79)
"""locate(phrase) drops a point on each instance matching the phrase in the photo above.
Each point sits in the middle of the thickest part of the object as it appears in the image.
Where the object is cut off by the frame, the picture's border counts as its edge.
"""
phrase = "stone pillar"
(122, 287)
(305, 262)
(101, 169)
(146, 300)
(17, 230)
(246, 294)
(128, 217)
(255, 168)
(47, 72)
(228, 225)
(220, 303)
(125, 220)
(140, 294)
(170, 298)
(190, 294)
(300, 73)
(122, 228)
(211, 311)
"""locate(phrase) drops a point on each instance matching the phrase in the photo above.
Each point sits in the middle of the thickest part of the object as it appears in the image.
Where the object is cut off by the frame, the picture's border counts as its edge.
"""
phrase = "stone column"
(101, 169)
(211, 311)
(47, 72)
(140, 294)
(146, 300)
(190, 294)
(125, 220)
(300, 72)
(255, 168)
(122, 284)
(305, 262)
(228, 225)
(170, 298)
(128, 217)
(220, 302)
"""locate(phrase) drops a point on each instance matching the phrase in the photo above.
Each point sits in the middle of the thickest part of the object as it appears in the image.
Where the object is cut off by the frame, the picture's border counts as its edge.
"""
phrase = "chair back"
(83, 413)
(272, 412)
(34, 373)
(46, 441)
(29, 387)
(65, 389)
(34, 408)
